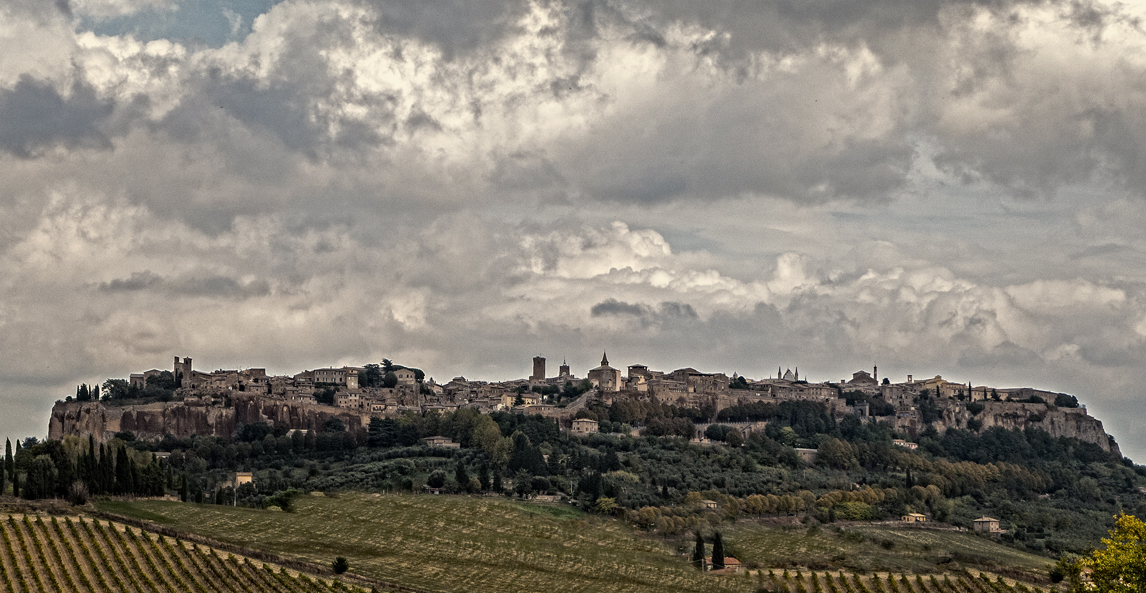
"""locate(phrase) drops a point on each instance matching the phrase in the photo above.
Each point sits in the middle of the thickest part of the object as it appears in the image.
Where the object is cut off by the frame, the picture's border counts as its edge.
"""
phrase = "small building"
(443, 442)
(986, 525)
(584, 426)
(405, 376)
(731, 565)
(905, 444)
(243, 478)
(709, 504)
(914, 518)
(807, 455)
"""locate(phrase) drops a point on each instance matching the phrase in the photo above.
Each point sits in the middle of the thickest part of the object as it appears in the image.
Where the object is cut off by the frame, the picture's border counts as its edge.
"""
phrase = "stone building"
(605, 377)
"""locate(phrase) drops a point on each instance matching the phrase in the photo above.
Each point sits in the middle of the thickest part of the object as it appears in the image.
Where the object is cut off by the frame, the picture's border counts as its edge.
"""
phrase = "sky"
(952, 188)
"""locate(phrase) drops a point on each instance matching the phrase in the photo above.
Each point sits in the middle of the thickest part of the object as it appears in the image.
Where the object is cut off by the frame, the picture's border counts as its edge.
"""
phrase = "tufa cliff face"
(179, 419)
(1058, 422)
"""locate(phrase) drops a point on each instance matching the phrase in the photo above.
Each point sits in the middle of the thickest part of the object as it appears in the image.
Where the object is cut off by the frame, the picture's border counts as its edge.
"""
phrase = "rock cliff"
(179, 419)
(1058, 422)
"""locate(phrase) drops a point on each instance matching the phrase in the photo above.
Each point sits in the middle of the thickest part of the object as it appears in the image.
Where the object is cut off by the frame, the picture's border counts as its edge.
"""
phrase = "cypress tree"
(483, 476)
(717, 552)
(698, 552)
(15, 485)
(9, 461)
(106, 470)
(91, 466)
(123, 481)
(183, 489)
(3, 478)
(461, 476)
(497, 487)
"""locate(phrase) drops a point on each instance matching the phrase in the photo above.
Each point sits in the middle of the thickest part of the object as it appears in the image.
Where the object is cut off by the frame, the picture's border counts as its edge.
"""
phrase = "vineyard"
(456, 543)
(829, 582)
(51, 554)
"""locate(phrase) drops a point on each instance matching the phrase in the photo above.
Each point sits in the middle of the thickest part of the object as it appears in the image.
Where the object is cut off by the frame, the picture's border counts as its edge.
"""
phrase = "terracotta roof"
(728, 560)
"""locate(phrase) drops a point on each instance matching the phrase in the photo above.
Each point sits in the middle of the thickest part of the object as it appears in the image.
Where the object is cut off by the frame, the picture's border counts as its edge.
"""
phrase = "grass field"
(455, 543)
(449, 543)
(875, 548)
(53, 554)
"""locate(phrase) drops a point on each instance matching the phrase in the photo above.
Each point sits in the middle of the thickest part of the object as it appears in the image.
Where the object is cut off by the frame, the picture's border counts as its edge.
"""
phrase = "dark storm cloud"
(34, 116)
(191, 286)
(38, 10)
(452, 25)
(666, 313)
(793, 26)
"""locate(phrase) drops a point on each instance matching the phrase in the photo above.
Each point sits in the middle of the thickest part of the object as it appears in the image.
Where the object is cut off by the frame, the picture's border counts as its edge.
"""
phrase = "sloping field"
(875, 548)
(450, 543)
(53, 554)
(840, 582)
(457, 543)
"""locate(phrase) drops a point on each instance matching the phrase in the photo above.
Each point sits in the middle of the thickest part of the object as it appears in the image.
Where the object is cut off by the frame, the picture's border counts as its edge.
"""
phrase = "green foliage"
(1121, 566)
(698, 554)
(283, 499)
(340, 565)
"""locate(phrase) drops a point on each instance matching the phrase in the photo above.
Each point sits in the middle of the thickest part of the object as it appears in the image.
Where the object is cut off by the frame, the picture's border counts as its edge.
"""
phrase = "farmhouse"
(584, 426)
(443, 442)
(914, 518)
(986, 525)
(731, 565)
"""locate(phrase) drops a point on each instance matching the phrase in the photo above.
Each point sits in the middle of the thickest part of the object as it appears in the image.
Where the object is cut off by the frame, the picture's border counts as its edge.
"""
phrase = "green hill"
(462, 543)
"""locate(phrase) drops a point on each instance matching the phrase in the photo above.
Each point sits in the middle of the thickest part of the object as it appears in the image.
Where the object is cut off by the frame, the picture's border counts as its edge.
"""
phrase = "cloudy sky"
(936, 187)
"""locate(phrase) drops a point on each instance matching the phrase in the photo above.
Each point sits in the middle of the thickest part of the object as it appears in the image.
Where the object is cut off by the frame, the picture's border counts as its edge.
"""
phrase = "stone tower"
(182, 371)
(538, 369)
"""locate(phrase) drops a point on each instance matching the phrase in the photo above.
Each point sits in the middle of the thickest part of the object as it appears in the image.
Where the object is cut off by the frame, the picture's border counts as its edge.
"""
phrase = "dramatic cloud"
(936, 187)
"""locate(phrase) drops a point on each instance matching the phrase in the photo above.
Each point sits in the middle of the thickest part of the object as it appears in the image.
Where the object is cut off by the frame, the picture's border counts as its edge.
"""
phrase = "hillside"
(72, 554)
(462, 543)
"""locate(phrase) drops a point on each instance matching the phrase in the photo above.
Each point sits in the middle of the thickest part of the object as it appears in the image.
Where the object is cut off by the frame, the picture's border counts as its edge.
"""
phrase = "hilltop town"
(199, 402)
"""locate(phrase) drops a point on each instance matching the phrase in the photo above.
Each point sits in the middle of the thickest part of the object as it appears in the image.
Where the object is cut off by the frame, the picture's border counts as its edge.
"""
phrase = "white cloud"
(355, 180)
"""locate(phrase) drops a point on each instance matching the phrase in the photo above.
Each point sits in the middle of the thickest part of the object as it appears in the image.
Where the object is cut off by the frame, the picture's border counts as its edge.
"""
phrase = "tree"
(41, 479)
(390, 380)
(9, 461)
(437, 479)
(698, 552)
(461, 476)
(483, 476)
(371, 376)
(183, 489)
(1121, 567)
(717, 551)
(340, 565)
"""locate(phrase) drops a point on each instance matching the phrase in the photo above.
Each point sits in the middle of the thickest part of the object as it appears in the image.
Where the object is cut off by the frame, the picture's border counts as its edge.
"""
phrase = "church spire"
(604, 359)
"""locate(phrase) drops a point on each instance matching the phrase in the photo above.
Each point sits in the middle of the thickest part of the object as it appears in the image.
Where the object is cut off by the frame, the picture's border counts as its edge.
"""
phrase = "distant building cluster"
(907, 405)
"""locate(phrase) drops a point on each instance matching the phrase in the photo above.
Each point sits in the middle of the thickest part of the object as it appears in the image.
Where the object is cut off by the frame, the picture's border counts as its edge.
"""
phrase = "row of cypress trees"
(53, 471)
(698, 554)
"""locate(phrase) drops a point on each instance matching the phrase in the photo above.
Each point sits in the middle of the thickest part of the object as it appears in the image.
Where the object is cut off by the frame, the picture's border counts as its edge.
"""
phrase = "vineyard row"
(52, 554)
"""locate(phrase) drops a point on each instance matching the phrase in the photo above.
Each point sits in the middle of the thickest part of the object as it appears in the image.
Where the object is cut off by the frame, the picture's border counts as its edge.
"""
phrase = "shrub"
(340, 565)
